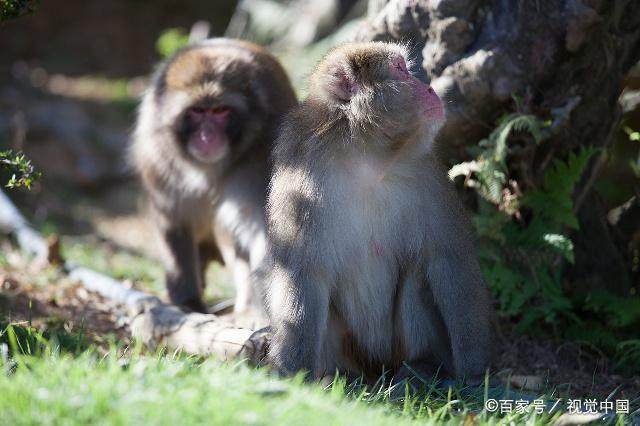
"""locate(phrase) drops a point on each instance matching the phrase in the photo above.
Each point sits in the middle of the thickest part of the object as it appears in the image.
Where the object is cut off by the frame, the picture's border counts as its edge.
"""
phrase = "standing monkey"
(371, 257)
(201, 144)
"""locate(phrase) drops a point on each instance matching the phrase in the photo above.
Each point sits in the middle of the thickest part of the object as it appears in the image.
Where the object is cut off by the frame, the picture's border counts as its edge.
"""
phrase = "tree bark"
(480, 53)
(563, 59)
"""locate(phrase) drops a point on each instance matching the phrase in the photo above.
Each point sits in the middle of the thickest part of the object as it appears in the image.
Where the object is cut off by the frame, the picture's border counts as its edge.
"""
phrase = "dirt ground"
(54, 301)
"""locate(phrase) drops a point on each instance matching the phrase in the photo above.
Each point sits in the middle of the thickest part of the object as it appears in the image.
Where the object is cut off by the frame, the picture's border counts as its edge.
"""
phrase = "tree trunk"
(563, 59)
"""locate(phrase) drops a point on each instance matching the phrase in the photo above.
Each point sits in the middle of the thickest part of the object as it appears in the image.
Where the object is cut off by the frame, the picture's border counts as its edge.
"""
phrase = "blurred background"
(72, 74)
(543, 142)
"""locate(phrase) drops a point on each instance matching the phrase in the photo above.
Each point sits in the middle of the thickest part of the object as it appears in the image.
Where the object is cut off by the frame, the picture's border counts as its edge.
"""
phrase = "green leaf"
(10, 9)
(490, 167)
(560, 243)
(20, 170)
(553, 202)
(170, 41)
(463, 169)
(632, 134)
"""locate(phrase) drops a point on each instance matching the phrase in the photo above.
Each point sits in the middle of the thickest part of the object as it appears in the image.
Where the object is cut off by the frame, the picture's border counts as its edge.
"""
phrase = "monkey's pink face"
(424, 95)
(205, 132)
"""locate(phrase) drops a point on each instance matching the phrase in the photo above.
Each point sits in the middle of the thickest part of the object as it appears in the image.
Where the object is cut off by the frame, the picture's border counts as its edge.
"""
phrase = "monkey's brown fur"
(213, 209)
(371, 259)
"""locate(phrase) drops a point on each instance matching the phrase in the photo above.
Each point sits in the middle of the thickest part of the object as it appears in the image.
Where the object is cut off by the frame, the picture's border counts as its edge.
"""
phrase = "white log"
(135, 301)
(159, 324)
(13, 222)
(201, 334)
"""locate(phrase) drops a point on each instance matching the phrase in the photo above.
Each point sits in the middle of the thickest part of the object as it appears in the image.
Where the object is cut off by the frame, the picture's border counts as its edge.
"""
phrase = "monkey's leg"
(463, 301)
(244, 290)
(242, 254)
(183, 271)
(249, 310)
(300, 306)
(258, 260)
(208, 253)
(240, 271)
(424, 342)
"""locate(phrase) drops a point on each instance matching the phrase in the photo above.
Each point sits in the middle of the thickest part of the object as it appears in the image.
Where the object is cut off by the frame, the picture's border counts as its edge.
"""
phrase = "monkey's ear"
(341, 85)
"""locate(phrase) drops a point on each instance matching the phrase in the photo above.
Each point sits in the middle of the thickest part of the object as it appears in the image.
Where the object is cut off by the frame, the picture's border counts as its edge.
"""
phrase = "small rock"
(532, 383)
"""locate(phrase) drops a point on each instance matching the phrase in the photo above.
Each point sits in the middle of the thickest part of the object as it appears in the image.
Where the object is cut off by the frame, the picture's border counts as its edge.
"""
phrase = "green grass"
(119, 264)
(146, 273)
(90, 390)
(57, 384)
(60, 376)
(57, 381)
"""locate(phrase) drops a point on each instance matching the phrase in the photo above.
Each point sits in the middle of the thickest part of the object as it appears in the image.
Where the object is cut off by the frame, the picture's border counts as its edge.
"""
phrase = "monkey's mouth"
(208, 139)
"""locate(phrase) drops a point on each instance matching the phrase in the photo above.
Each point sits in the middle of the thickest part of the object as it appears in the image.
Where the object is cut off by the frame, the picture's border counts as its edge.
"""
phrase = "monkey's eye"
(198, 110)
(219, 110)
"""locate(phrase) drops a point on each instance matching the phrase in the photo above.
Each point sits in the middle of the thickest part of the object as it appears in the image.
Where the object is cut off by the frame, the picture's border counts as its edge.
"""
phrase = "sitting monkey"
(371, 257)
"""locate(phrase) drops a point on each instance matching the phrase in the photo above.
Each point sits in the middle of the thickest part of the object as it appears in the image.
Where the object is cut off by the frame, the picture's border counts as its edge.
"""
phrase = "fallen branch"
(153, 322)
(13, 222)
(159, 324)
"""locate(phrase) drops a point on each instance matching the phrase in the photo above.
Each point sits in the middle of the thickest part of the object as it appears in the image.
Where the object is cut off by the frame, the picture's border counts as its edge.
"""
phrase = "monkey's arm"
(462, 298)
(457, 285)
(182, 268)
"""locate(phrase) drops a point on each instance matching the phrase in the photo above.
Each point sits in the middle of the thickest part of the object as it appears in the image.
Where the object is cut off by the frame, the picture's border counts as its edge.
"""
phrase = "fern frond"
(490, 167)
(514, 123)
(553, 201)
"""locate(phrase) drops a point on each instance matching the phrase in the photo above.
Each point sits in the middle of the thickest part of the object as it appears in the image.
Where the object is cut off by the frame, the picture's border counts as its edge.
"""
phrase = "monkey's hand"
(288, 354)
